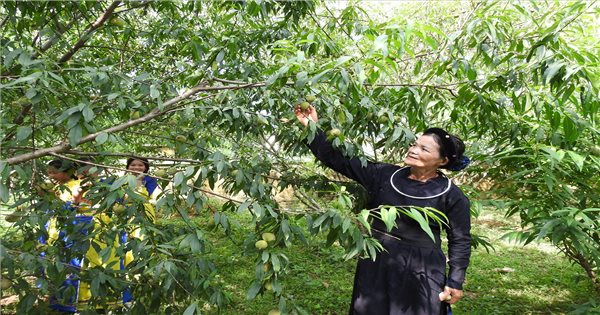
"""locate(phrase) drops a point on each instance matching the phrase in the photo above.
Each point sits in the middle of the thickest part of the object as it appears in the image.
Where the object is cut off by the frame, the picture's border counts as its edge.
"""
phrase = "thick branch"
(117, 154)
(141, 173)
(168, 105)
(99, 22)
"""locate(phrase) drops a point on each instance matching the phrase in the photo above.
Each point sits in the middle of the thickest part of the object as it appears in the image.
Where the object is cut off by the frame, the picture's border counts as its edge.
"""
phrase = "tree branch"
(142, 173)
(118, 154)
(439, 87)
(168, 105)
(84, 38)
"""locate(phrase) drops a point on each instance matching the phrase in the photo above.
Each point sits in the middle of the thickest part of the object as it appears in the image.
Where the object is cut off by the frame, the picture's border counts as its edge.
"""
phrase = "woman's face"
(58, 176)
(137, 165)
(425, 153)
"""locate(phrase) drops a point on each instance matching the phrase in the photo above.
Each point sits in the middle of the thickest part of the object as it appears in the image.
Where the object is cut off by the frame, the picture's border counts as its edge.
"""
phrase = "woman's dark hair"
(451, 147)
(144, 160)
(63, 166)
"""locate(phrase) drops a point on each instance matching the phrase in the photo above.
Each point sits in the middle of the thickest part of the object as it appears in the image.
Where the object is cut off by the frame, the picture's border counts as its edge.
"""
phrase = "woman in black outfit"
(409, 277)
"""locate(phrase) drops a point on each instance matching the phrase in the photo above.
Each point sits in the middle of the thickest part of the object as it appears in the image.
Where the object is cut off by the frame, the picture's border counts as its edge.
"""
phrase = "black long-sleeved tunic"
(408, 277)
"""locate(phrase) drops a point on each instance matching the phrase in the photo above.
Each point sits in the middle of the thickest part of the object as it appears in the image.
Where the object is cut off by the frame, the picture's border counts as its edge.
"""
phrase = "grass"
(540, 280)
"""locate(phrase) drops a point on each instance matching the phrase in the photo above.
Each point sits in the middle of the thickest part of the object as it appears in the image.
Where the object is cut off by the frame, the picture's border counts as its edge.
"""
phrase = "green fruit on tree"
(268, 286)
(180, 138)
(596, 150)
(21, 101)
(269, 237)
(234, 173)
(262, 120)
(266, 267)
(274, 312)
(118, 208)
(5, 284)
(383, 119)
(310, 98)
(160, 173)
(211, 223)
(135, 114)
(262, 244)
(117, 22)
(41, 247)
(13, 217)
(334, 132)
(46, 186)
(172, 170)
(304, 105)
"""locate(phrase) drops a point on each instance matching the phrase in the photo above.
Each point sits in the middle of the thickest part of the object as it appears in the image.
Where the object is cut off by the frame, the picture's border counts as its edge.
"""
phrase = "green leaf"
(276, 263)
(154, 93)
(341, 60)
(75, 135)
(88, 114)
(4, 196)
(388, 216)
(423, 222)
(253, 290)
(552, 70)
(577, 159)
(23, 132)
(380, 43)
(118, 183)
(101, 138)
(178, 179)
(190, 310)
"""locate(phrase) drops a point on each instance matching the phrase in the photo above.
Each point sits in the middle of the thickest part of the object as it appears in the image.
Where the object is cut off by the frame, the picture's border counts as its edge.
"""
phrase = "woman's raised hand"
(304, 115)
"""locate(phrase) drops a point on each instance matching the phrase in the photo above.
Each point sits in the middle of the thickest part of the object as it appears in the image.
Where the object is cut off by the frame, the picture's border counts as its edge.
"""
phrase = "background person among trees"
(102, 235)
(66, 230)
(408, 277)
(143, 165)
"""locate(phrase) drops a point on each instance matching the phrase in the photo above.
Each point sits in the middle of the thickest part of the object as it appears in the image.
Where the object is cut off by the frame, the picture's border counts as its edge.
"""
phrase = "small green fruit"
(117, 22)
(268, 286)
(211, 223)
(46, 186)
(5, 284)
(160, 173)
(41, 247)
(334, 132)
(383, 119)
(21, 101)
(310, 98)
(13, 217)
(260, 245)
(269, 237)
(135, 114)
(304, 105)
(172, 170)
(118, 208)
(180, 138)
(274, 312)
(266, 267)
(596, 150)
(262, 120)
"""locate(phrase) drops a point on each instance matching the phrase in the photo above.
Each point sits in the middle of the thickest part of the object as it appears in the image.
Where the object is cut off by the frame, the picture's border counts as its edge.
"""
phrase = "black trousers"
(404, 280)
